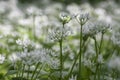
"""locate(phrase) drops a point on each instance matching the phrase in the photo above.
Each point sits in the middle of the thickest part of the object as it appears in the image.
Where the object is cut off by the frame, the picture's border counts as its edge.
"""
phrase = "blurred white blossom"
(2, 59)
(82, 18)
(91, 29)
(73, 78)
(100, 59)
(65, 18)
(33, 10)
(114, 63)
(116, 37)
(59, 33)
(24, 43)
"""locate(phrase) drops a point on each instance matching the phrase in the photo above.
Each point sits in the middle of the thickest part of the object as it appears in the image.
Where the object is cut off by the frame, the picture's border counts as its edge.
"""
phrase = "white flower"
(32, 10)
(34, 57)
(108, 78)
(114, 63)
(73, 9)
(102, 26)
(65, 18)
(2, 58)
(87, 63)
(100, 59)
(59, 33)
(24, 43)
(82, 18)
(55, 63)
(1, 36)
(116, 37)
(13, 58)
(73, 78)
(91, 29)
(19, 42)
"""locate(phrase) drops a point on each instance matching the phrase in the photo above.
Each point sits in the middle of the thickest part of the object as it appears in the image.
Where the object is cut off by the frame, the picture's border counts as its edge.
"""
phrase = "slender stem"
(28, 72)
(38, 72)
(34, 36)
(99, 73)
(99, 65)
(101, 43)
(103, 76)
(23, 70)
(16, 69)
(61, 66)
(73, 64)
(61, 56)
(80, 52)
(113, 74)
(96, 71)
(96, 49)
(35, 70)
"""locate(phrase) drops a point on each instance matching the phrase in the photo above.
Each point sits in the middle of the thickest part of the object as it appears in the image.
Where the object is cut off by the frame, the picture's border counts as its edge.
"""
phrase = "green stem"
(28, 72)
(33, 31)
(35, 70)
(80, 52)
(38, 72)
(113, 74)
(74, 64)
(72, 67)
(96, 49)
(99, 69)
(23, 71)
(61, 57)
(101, 43)
(17, 70)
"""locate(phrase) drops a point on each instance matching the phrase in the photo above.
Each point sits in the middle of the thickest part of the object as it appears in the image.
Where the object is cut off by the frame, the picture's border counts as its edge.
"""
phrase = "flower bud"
(65, 18)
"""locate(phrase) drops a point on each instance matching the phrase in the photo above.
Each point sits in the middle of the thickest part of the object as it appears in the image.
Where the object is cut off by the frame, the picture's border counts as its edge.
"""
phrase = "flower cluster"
(24, 43)
(59, 33)
(64, 18)
(82, 18)
(33, 57)
(114, 63)
(116, 37)
(73, 78)
(91, 29)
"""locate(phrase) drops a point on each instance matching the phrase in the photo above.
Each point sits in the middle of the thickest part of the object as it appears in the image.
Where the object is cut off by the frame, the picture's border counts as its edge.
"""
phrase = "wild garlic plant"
(87, 30)
(28, 64)
(59, 35)
(84, 62)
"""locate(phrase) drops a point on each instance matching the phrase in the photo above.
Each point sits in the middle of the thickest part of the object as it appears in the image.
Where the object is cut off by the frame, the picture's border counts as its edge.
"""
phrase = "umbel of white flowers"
(57, 33)
(82, 18)
(65, 18)
(42, 56)
(91, 29)
(25, 43)
(62, 31)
